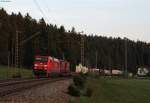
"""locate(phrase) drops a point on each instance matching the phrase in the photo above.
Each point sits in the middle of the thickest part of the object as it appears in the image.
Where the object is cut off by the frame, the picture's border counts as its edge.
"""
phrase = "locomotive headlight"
(45, 67)
(35, 65)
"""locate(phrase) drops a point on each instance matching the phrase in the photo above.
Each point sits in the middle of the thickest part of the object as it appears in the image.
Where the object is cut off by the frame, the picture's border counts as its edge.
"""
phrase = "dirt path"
(48, 93)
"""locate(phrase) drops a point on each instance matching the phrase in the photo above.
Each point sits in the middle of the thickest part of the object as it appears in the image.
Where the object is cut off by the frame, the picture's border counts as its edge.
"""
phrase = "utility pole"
(96, 54)
(12, 52)
(17, 50)
(63, 56)
(36, 46)
(126, 62)
(8, 54)
(96, 61)
(110, 67)
(48, 50)
(82, 50)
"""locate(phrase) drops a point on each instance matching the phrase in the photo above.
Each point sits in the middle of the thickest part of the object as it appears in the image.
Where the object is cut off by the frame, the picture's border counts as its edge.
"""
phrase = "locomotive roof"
(41, 56)
(55, 59)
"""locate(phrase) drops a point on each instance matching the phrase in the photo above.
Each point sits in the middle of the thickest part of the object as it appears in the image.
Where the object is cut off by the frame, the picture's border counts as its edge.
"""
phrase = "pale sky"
(116, 18)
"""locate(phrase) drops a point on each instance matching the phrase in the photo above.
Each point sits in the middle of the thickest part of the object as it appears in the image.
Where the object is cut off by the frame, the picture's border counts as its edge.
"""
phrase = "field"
(107, 90)
(13, 72)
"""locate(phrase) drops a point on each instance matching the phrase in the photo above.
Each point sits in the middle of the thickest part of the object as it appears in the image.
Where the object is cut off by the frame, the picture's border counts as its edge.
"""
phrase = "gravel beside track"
(14, 79)
(17, 81)
(55, 92)
(14, 86)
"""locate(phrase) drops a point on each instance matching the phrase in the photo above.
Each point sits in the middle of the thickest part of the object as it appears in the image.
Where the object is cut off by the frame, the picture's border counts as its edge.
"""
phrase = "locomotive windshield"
(41, 59)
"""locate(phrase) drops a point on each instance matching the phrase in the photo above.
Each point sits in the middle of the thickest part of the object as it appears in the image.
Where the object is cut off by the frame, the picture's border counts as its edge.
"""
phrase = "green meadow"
(108, 90)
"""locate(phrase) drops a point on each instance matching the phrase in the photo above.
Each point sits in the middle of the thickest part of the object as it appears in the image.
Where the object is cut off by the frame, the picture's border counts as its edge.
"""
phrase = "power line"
(28, 39)
(40, 9)
(48, 9)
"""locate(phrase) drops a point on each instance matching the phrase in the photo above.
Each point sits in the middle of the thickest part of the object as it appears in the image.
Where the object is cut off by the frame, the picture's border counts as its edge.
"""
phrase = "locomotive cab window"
(41, 59)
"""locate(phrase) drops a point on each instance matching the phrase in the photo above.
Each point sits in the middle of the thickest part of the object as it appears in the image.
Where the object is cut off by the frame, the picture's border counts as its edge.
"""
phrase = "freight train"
(44, 66)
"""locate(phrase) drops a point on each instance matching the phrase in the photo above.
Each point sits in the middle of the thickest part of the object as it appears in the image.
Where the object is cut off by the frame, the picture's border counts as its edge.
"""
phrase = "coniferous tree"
(57, 42)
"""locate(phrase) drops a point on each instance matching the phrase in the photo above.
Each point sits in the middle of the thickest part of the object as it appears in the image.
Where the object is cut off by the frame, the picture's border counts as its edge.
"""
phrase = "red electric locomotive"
(45, 65)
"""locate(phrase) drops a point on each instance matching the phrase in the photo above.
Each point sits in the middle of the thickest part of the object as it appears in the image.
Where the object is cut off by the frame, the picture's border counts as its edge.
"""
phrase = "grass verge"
(11, 72)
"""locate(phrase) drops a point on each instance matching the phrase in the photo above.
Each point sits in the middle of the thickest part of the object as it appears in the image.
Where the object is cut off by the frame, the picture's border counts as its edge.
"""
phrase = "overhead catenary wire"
(49, 10)
(40, 9)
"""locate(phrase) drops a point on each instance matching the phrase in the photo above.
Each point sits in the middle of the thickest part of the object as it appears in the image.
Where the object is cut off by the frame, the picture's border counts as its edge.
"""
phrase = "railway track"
(13, 79)
(19, 85)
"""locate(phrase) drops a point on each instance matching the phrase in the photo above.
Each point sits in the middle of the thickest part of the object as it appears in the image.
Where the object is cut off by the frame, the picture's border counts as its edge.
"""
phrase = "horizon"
(109, 18)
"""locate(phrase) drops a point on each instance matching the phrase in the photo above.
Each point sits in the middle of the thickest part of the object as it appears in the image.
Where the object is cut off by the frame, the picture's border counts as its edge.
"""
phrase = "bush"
(88, 92)
(93, 75)
(79, 81)
(73, 90)
(72, 101)
(84, 76)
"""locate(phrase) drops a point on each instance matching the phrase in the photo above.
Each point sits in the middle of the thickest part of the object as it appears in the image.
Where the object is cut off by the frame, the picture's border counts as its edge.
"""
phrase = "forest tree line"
(60, 43)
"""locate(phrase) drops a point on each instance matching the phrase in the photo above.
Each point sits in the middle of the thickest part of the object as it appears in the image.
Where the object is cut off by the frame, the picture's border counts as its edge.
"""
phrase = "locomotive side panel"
(62, 70)
(68, 67)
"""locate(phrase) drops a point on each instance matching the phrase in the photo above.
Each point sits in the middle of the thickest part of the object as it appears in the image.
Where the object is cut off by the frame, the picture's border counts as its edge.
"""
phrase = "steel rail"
(13, 87)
